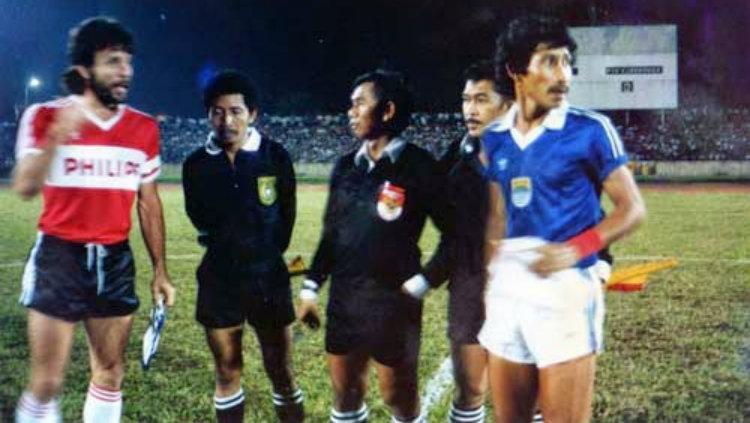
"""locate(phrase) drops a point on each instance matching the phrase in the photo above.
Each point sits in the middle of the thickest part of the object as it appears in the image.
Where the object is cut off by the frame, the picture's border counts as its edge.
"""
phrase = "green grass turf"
(678, 351)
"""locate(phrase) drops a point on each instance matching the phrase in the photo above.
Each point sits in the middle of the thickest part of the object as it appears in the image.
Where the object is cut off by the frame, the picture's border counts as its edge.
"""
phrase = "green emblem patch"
(267, 190)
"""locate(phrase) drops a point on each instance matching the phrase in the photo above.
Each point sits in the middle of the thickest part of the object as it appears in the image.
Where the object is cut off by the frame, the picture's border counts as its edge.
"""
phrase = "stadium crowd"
(309, 139)
(686, 134)
(691, 134)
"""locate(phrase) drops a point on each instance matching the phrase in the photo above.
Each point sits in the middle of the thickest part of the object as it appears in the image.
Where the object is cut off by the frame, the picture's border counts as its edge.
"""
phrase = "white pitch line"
(685, 259)
(182, 256)
(437, 385)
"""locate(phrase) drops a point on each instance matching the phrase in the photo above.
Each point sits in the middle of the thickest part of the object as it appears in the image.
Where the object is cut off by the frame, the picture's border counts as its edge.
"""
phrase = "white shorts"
(541, 321)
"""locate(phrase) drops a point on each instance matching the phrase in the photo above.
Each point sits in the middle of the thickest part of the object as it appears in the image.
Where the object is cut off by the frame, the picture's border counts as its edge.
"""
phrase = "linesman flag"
(634, 278)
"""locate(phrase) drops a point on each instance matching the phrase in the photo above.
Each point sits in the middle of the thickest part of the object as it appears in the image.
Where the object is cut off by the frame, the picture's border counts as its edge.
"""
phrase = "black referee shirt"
(244, 211)
(374, 218)
(462, 253)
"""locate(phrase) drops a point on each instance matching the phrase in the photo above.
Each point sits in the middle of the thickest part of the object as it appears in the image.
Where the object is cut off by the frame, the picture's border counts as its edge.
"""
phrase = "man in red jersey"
(90, 156)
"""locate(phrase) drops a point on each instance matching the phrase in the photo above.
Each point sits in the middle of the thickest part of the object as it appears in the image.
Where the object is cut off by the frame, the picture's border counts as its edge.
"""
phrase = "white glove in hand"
(416, 286)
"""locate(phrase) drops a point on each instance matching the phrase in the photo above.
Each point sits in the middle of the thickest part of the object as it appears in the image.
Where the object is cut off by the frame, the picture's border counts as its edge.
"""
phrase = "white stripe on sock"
(350, 416)
(466, 416)
(296, 397)
(224, 403)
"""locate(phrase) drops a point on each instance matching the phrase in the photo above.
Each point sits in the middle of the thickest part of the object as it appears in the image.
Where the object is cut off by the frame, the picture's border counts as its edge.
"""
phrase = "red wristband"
(587, 242)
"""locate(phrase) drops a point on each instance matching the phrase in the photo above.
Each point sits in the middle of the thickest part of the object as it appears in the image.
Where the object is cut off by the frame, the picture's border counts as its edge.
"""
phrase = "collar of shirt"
(251, 144)
(469, 149)
(469, 145)
(555, 120)
(392, 151)
(103, 124)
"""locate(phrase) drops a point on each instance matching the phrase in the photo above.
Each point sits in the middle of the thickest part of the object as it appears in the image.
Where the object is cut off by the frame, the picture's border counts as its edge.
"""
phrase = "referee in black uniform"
(379, 199)
(484, 100)
(240, 195)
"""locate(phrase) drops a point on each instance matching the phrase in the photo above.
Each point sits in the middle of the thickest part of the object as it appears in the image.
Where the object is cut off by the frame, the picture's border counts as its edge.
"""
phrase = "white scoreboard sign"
(625, 67)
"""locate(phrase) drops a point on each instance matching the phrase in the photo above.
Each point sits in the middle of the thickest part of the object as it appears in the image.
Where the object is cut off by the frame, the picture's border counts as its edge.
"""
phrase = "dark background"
(304, 54)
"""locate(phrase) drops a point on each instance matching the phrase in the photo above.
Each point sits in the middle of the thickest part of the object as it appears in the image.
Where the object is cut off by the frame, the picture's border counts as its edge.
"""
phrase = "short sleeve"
(31, 130)
(607, 150)
(151, 168)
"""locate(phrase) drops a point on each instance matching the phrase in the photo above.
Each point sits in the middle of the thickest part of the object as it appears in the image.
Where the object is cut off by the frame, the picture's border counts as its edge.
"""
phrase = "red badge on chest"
(391, 201)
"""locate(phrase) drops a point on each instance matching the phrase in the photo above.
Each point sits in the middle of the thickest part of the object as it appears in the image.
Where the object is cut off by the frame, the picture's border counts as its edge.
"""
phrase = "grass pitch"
(677, 352)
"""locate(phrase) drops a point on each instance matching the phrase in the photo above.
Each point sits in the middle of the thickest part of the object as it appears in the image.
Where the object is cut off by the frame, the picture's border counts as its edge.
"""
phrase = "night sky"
(304, 54)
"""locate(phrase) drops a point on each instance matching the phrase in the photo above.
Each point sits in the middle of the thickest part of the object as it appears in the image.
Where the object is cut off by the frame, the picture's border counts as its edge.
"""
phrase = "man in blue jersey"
(548, 163)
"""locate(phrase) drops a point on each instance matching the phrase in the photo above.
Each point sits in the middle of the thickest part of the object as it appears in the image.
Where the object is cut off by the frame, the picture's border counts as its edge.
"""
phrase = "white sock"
(30, 410)
(103, 405)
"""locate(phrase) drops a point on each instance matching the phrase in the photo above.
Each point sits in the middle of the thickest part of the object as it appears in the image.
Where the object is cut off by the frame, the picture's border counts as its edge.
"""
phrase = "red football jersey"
(95, 175)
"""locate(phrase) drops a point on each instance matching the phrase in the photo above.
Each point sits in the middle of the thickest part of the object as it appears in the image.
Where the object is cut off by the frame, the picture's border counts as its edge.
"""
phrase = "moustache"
(123, 84)
(225, 133)
(474, 121)
(559, 89)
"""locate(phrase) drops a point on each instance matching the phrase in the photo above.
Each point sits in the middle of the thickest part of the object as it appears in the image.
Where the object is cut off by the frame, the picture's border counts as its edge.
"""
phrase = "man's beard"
(104, 94)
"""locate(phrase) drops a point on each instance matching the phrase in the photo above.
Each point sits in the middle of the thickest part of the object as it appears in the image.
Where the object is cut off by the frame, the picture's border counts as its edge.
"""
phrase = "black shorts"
(74, 281)
(229, 295)
(465, 307)
(385, 323)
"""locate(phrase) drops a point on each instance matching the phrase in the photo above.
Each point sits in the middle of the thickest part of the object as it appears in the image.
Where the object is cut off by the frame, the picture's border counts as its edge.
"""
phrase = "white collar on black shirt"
(393, 150)
(251, 144)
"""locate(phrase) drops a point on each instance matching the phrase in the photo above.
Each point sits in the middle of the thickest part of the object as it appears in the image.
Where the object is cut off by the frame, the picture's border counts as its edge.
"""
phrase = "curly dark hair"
(230, 82)
(515, 46)
(95, 34)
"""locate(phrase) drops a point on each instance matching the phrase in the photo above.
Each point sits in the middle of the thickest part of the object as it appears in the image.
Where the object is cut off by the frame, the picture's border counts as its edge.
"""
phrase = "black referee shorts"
(465, 307)
(384, 322)
(73, 281)
(230, 294)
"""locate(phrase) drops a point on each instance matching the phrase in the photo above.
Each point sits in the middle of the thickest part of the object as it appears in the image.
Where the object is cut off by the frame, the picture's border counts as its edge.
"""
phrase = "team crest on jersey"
(267, 190)
(520, 191)
(391, 201)
(502, 164)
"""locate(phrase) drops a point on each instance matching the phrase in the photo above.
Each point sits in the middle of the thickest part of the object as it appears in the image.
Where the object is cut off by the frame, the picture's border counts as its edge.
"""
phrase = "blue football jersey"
(551, 177)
